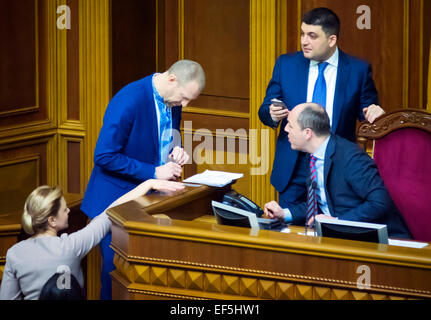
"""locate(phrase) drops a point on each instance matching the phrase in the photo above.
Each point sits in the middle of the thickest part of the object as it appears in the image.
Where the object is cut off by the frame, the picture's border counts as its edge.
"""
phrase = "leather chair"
(402, 151)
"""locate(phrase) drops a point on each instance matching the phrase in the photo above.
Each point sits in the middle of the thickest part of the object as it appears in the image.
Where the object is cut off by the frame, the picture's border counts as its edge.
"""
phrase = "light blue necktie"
(165, 137)
(319, 93)
(165, 133)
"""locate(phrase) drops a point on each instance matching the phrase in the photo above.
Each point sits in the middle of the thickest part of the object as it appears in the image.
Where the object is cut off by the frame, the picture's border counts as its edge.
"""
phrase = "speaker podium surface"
(170, 247)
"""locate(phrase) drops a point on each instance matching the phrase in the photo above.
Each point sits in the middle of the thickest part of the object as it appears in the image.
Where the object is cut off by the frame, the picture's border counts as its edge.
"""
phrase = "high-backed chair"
(402, 152)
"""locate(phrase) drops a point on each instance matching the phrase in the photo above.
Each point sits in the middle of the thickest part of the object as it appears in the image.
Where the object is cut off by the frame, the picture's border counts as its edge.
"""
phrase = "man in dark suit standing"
(323, 74)
(346, 181)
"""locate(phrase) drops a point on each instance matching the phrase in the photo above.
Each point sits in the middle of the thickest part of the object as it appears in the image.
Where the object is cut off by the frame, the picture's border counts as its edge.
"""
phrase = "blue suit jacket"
(127, 150)
(354, 90)
(354, 189)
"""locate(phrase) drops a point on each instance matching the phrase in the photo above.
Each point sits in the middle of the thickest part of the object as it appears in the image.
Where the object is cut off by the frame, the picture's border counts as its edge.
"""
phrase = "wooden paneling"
(216, 34)
(73, 110)
(133, 41)
(23, 167)
(18, 75)
(74, 172)
(40, 54)
(219, 152)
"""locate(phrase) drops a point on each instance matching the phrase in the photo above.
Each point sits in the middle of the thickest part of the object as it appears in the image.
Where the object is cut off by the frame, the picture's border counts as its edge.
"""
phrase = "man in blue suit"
(323, 74)
(347, 183)
(136, 142)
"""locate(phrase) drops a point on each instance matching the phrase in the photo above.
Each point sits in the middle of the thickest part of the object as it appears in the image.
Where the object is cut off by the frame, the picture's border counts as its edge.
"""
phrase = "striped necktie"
(311, 194)
(319, 92)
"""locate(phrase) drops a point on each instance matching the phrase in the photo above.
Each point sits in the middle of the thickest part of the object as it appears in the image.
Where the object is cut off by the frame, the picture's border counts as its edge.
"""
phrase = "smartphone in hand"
(278, 103)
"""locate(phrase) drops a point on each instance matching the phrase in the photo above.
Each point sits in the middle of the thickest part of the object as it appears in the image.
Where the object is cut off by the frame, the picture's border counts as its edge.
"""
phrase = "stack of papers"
(214, 178)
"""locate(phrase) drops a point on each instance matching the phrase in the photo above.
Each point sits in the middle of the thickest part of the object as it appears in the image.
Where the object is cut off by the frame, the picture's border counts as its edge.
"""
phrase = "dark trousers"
(296, 190)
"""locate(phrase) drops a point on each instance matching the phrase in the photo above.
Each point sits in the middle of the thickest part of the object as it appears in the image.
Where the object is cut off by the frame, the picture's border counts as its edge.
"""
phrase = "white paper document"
(214, 178)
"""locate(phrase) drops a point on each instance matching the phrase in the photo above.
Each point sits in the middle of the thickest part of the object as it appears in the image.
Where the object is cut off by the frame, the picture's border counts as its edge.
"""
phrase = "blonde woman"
(30, 263)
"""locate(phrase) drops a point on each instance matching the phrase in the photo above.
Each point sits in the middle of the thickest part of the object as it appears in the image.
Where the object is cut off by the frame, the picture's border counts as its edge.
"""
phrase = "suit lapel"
(302, 79)
(330, 150)
(343, 74)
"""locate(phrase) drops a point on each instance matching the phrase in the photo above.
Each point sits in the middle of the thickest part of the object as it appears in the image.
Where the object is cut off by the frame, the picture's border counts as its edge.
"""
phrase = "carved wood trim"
(141, 279)
(125, 263)
(406, 118)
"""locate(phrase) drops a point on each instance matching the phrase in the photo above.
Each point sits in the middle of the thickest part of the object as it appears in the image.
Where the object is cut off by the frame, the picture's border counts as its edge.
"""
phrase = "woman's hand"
(144, 187)
(166, 186)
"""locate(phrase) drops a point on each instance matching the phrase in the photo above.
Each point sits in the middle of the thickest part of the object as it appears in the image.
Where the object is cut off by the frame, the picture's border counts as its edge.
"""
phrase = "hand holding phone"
(278, 103)
(275, 112)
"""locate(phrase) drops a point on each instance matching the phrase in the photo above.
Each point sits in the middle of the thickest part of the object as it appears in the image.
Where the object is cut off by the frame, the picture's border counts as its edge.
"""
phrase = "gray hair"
(188, 70)
(315, 117)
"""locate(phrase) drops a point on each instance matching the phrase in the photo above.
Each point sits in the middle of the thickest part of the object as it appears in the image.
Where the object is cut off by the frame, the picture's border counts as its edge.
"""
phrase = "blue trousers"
(107, 267)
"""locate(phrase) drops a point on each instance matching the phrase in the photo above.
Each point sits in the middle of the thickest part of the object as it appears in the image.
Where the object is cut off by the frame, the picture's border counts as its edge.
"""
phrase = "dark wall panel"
(73, 62)
(17, 55)
(216, 34)
(133, 41)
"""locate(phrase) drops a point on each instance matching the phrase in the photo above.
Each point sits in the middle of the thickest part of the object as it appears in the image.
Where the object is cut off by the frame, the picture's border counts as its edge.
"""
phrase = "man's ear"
(308, 133)
(172, 77)
(332, 40)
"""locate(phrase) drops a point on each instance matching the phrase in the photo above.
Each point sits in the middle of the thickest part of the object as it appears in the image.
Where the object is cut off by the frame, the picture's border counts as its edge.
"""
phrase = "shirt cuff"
(287, 215)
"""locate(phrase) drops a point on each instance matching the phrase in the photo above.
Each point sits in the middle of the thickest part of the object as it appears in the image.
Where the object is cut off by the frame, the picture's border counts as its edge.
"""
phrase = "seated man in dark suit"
(346, 181)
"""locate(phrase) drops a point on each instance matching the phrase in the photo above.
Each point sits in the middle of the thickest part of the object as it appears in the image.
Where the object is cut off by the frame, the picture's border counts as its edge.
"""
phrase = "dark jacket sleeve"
(369, 93)
(273, 91)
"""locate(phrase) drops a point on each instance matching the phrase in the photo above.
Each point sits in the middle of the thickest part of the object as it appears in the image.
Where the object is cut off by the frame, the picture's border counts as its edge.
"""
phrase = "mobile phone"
(278, 103)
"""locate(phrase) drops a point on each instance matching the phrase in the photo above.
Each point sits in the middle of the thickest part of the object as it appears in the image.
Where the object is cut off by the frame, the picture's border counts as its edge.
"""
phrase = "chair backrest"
(402, 152)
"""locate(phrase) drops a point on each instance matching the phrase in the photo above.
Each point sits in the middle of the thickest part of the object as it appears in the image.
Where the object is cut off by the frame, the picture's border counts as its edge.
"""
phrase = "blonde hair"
(42, 203)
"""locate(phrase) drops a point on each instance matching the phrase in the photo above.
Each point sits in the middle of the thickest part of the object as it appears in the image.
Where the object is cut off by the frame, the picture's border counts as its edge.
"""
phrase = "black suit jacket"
(354, 189)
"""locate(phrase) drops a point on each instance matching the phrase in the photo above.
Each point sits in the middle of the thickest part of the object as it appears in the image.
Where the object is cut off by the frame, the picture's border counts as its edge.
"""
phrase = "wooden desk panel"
(10, 228)
(172, 258)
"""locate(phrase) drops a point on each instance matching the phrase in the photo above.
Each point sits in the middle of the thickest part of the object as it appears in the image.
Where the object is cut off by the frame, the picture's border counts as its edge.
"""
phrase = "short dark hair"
(324, 17)
(315, 118)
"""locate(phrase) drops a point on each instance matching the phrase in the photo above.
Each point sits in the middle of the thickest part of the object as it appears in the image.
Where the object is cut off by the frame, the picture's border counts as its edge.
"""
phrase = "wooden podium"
(170, 247)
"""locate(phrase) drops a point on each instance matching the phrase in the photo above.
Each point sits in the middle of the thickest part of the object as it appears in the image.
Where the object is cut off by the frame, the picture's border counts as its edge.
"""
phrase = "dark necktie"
(311, 194)
(319, 92)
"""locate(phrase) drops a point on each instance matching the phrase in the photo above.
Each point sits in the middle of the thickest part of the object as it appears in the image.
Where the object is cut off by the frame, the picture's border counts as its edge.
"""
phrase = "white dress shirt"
(320, 189)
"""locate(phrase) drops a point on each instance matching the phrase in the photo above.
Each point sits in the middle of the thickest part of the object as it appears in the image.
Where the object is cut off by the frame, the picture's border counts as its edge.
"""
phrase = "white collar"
(332, 60)
(320, 152)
